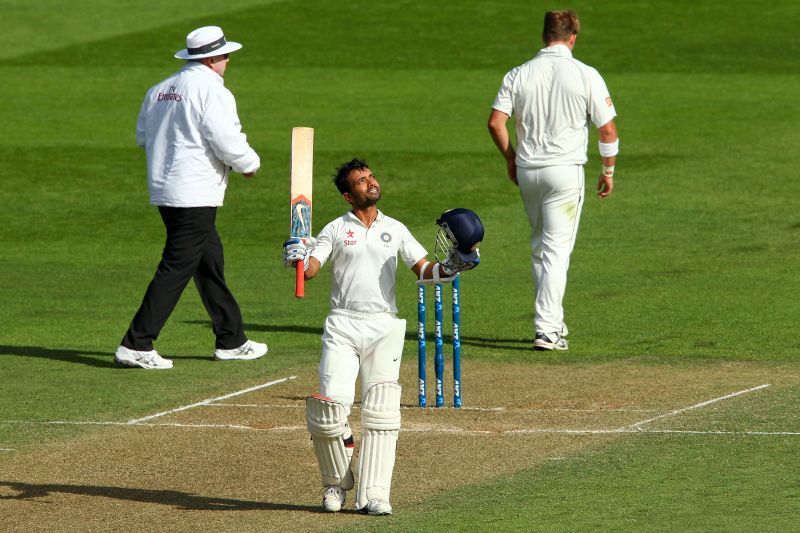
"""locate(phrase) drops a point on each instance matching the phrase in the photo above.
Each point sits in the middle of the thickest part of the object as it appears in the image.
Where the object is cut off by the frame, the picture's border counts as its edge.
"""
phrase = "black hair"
(340, 178)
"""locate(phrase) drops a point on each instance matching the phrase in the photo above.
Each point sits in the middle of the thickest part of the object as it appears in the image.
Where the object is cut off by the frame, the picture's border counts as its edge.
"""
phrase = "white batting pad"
(380, 422)
(327, 423)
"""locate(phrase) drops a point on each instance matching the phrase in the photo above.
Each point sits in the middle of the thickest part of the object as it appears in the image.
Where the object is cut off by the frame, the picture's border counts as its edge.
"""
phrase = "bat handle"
(299, 280)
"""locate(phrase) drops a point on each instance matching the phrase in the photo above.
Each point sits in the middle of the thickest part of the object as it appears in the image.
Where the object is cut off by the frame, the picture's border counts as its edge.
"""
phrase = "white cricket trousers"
(354, 345)
(553, 198)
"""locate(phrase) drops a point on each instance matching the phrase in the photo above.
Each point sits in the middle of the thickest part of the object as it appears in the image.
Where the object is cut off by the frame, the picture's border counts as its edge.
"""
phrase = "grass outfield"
(689, 269)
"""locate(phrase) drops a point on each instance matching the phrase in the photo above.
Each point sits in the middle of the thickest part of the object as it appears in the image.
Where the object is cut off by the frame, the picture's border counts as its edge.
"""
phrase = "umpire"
(554, 97)
(189, 128)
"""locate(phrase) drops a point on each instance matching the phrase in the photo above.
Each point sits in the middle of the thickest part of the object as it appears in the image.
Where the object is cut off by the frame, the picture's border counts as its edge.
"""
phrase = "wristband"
(608, 171)
(608, 149)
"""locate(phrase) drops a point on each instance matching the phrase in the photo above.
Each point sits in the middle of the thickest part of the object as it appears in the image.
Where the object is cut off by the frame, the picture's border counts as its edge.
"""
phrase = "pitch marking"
(210, 400)
(529, 431)
(443, 409)
(638, 425)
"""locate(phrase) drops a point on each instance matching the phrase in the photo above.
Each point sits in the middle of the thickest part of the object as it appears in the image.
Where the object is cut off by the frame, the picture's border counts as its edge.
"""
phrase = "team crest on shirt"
(385, 237)
(349, 240)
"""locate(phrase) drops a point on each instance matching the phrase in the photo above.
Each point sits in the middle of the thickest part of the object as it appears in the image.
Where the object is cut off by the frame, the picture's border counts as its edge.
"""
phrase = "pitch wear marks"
(190, 128)
(355, 249)
(553, 97)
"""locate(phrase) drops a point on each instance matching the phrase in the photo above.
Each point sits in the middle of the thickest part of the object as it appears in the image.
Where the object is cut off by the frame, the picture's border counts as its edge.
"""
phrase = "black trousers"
(192, 249)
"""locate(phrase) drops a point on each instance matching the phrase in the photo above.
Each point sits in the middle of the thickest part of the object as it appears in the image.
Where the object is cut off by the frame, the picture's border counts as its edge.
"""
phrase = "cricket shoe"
(376, 508)
(248, 350)
(333, 499)
(149, 360)
(549, 342)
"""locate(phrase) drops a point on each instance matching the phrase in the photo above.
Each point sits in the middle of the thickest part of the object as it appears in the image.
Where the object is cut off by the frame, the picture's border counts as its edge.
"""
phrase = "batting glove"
(296, 249)
(457, 261)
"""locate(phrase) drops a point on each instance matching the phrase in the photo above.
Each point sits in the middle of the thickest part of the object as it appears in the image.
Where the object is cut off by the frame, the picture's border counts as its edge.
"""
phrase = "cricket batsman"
(363, 337)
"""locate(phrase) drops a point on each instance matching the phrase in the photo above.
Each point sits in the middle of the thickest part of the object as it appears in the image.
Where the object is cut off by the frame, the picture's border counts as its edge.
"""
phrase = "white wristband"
(608, 171)
(608, 149)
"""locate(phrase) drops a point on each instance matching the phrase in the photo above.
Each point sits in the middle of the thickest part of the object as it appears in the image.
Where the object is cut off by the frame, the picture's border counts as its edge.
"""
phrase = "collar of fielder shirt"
(556, 50)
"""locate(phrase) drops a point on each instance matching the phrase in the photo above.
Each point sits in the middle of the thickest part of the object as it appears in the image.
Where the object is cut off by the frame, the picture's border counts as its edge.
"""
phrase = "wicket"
(438, 361)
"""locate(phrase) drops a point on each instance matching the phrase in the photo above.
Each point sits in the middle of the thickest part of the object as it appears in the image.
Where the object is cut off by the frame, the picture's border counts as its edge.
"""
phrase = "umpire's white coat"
(189, 127)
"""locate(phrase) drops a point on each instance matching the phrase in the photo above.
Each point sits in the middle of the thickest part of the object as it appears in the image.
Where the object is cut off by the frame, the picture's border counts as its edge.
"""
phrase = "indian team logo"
(386, 238)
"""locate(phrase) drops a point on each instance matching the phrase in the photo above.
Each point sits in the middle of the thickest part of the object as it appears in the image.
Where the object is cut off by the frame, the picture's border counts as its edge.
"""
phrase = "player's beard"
(369, 199)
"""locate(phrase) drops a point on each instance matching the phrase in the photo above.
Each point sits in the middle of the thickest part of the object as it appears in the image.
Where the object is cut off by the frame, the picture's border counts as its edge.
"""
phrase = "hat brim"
(229, 47)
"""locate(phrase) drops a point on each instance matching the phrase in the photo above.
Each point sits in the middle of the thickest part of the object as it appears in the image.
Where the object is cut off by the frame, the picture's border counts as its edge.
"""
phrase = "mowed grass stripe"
(690, 266)
(45, 27)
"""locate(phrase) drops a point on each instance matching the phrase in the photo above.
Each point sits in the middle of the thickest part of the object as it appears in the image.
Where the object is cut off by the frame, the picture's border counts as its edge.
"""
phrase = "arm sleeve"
(222, 129)
(411, 251)
(141, 123)
(324, 247)
(601, 108)
(503, 101)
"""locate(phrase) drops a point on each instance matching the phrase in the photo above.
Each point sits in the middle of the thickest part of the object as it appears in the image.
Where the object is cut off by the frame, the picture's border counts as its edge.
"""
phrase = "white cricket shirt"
(364, 261)
(553, 96)
(189, 127)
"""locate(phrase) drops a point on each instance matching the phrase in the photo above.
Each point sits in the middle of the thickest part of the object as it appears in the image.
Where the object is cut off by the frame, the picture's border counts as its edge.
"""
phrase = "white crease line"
(64, 422)
(638, 425)
(222, 426)
(6, 449)
(209, 400)
(566, 431)
(529, 431)
(721, 432)
(257, 405)
(146, 424)
(449, 409)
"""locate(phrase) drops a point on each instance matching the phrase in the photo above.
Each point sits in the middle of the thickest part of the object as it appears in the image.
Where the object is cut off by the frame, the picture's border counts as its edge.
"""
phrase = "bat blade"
(301, 193)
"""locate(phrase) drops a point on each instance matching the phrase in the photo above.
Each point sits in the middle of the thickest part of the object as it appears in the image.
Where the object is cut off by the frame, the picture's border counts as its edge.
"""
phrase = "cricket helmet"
(462, 227)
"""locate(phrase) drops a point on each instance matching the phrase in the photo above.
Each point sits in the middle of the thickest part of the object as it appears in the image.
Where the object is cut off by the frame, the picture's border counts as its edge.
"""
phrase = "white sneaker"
(376, 508)
(550, 341)
(150, 360)
(333, 499)
(248, 350)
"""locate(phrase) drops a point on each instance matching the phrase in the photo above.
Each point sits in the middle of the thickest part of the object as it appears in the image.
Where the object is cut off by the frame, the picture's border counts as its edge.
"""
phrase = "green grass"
(693, 258)
(641, 483)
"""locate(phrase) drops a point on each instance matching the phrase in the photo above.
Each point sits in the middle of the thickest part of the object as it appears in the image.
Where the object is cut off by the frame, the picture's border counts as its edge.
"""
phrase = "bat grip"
(299, 280)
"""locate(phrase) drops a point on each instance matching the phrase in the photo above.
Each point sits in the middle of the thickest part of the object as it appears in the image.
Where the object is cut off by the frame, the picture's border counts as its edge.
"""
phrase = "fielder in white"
(362, 337)
(553, 98)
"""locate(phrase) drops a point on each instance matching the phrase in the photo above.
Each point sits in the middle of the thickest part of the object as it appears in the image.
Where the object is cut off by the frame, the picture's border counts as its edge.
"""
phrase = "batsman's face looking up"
(365, 191)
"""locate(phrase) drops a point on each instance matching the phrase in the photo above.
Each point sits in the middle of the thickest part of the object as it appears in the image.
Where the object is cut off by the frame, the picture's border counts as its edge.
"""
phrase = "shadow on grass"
(481, 342)
(172, 498)
(84, 357)
(523, 345)
(307, 330)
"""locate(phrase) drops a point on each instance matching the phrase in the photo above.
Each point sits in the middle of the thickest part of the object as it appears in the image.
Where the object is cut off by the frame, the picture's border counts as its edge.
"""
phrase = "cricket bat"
(300, 194)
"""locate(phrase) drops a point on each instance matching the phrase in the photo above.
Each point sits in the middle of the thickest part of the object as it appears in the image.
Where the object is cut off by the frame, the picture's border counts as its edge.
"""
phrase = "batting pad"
(380, 422)
(327, 423)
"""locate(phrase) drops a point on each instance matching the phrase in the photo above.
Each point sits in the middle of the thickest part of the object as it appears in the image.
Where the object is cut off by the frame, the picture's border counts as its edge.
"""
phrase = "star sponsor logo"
(350, 240)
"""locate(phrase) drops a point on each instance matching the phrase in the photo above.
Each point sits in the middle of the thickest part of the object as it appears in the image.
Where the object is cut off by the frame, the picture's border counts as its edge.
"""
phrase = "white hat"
(208, 41)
